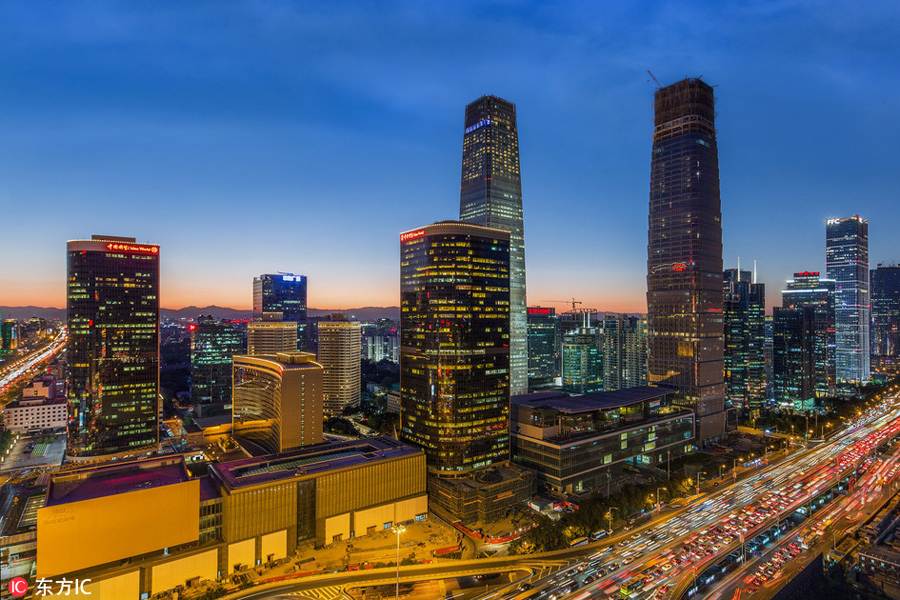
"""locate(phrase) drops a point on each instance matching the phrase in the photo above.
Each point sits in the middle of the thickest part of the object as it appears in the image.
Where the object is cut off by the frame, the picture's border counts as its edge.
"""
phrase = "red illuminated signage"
(679, 267)
(807, 274)
(540, 311)
(411, 235)
(132, 248)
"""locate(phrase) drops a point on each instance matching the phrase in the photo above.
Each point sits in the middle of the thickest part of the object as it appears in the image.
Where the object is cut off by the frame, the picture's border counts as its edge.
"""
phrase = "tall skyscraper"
(624, 351)
(113, 347)
(847, 262)
(491, 196)
(339, 354)
(213, 343)
(454, 345)
(886, 319)
(744, 311)
(283, 293)
(278, 400)
(809, 289)
(684, 255)
(544, 338)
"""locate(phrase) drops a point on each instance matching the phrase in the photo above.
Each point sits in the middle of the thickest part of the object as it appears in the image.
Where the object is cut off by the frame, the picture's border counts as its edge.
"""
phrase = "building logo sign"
(540, 311)
(116, 247)
(411, 235)
(292, 277)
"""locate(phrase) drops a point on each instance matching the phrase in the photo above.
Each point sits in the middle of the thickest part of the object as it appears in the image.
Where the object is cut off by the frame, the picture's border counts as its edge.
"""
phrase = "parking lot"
(35, 452)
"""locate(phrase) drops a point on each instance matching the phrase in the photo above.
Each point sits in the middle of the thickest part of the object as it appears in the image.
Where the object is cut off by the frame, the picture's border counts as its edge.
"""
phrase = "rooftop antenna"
(754, 272)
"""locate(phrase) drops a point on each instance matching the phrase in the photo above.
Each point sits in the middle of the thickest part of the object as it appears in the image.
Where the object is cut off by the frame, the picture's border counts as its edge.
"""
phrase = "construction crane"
(572, 301)
(655, 80)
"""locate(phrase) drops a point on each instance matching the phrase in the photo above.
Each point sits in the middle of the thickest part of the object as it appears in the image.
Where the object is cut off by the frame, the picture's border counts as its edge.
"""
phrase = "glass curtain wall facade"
(684, 255)
(491, 196)
(543, 346)
(213, 343)
(847, 262)
(793, 356)
(744, 311)
(582, 361)
(809, 289)
(113, 347)
(454, 345)
(886, 319)
(283, 293)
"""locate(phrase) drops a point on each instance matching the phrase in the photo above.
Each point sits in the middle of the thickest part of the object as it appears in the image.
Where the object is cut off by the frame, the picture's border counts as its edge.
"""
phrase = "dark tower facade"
(744, 313)
(886, 319)
(113, 348)
(491, 196)
(684, 255)
(454, 345)
(283, 293)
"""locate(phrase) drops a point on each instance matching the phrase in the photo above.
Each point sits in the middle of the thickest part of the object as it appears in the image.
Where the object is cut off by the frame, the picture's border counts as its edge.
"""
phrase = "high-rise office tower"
(113, 347)
(582, 366)
(339, 355)
(283, 293)
(278, 400)
(624, 342)
(491, 196)
(213, 343)
(847, 262)
(810, 289)
(271, 337)
(744, 311)
(684, 255)
(793, 356)
(886, 319)
(454, 345)
(544, 338)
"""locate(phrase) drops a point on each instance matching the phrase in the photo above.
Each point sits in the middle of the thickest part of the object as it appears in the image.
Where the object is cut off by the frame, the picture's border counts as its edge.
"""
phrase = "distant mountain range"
(366, 313)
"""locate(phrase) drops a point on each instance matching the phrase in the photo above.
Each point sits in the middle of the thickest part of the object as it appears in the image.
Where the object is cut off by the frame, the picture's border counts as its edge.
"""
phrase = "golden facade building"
(271, 337)
(161, 528)
(339, 355)
(277, 400)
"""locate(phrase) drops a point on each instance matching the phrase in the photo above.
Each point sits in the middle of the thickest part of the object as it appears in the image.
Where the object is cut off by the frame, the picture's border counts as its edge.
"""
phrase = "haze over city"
(248, 138)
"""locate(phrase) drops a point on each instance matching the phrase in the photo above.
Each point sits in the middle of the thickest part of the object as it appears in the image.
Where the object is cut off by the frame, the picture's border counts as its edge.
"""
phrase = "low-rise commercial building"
(161, 527)
(574, 443)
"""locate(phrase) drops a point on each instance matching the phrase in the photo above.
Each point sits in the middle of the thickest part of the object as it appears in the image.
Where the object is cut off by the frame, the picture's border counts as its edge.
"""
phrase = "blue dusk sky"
(252, 137)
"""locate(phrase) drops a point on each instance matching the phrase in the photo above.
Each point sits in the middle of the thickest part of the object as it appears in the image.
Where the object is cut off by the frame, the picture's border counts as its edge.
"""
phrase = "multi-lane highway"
(698, 550)
(16, 371)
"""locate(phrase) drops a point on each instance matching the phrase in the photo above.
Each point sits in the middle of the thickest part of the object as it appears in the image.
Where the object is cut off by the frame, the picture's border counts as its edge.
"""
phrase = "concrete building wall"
(243, 553)
(176, 572)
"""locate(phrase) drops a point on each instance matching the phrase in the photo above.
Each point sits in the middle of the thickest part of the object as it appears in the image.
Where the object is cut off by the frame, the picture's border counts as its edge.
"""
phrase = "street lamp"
(609, 518)
(657, 496)
(398, 530)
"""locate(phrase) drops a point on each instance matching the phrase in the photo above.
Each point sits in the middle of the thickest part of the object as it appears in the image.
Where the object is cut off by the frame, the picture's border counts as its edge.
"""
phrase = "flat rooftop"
(565, 403)
(310, 460)
(98, 481)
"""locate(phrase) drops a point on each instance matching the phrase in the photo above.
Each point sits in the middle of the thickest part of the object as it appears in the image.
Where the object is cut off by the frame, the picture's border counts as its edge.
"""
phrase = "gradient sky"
(252, 137)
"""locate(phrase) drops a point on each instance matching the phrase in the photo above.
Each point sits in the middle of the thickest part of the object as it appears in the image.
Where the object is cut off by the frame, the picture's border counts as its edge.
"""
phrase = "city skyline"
(121, 122)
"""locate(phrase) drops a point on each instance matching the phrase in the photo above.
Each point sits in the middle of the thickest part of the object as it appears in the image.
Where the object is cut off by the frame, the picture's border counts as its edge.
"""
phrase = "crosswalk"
(332, 592)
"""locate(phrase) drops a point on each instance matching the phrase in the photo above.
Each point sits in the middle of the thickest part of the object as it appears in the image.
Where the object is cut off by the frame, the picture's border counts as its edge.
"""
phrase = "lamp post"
(657, 496)
(609, 518)
(398, 530)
